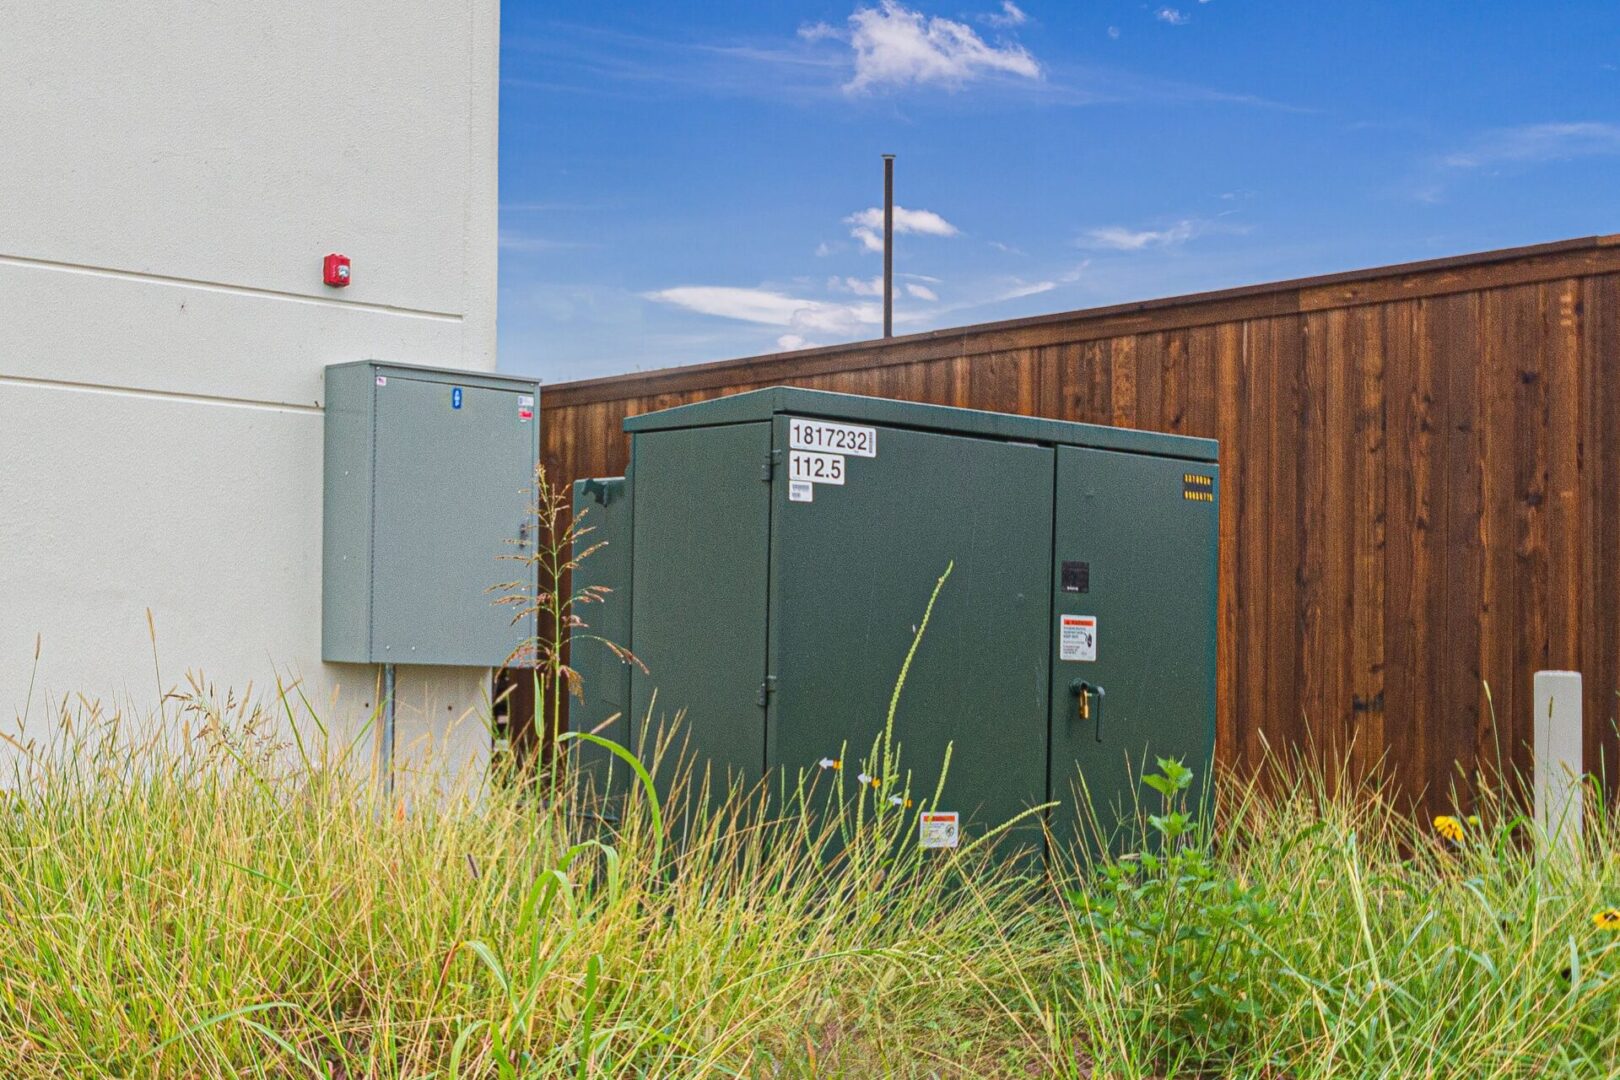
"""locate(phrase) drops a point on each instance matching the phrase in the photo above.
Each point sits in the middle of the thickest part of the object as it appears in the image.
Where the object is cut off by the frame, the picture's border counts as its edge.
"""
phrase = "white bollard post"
(1558, 758)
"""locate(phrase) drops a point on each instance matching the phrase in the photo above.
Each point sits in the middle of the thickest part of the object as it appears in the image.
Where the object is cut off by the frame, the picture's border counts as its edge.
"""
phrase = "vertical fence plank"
(1565, 600)
(1253, 541)
(1367, 510)
(1280, 350)
(1599, 316)
(1456, 332)
(1229, 429)
(1122, 382)
(1413, 553)
(1313, 522)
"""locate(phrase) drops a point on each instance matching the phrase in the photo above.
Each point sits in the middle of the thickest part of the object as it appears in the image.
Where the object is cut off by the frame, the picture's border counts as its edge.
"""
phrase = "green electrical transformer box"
(772, 553)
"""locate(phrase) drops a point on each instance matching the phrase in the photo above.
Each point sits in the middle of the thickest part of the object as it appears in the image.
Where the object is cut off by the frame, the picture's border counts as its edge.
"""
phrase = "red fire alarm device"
(337, 270)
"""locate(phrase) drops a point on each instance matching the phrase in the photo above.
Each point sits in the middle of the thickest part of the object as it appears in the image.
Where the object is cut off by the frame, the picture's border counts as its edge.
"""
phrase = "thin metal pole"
(888, 245)
(386, 751)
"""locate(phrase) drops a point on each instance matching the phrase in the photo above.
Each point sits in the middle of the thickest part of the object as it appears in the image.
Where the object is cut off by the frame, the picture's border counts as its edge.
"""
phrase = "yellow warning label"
(1196, 487)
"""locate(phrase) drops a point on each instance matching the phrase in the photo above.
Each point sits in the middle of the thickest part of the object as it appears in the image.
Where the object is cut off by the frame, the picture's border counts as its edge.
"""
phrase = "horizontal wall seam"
(222, 287)
(163, 395)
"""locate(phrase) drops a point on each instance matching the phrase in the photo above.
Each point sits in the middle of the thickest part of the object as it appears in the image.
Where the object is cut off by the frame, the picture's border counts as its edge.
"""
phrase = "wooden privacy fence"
(1420, 482)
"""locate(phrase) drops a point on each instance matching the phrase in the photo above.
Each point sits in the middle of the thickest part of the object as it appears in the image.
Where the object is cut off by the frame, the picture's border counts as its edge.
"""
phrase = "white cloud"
(1011, 15)
(823, 249)
(858, 286)
(1171, 15)
(1029, 289)
(768, 307)
(819, 32)
(789, 342)
(1119, 238)
(1113, 32)
(896, 46)
(1075, 273)
(868, 225)
(874, 286)
(1538, 142)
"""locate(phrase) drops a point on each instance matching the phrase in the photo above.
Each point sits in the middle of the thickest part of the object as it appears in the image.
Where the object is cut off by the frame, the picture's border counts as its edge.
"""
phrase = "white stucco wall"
(171, 175)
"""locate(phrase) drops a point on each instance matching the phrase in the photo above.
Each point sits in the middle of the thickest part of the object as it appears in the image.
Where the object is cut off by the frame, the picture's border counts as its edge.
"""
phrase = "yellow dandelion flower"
(1449, 827)
(1607, 919)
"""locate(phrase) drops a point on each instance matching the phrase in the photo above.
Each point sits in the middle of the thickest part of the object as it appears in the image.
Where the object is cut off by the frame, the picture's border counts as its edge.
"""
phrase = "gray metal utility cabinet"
(429, 478)
(776, 549)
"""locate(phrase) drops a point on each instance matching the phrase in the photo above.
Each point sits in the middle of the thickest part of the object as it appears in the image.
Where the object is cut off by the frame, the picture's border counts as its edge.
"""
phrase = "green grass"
(239, 902)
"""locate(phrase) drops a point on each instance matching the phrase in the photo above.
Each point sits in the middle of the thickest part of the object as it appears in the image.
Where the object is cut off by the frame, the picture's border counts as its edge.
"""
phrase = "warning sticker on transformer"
(939, 829)
(1077, 637)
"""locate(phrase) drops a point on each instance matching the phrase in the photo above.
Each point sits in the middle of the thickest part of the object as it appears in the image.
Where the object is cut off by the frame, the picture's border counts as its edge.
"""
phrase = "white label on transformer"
(831, 438)
(801, 491)
(939, 829)
(815, 468)
(1077, 637)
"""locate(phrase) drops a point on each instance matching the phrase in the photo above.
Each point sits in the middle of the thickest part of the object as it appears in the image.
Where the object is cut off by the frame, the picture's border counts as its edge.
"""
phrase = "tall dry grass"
(242, 903)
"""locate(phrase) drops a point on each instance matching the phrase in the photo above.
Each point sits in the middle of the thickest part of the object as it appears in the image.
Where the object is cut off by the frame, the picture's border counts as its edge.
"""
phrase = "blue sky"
(689, 182)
